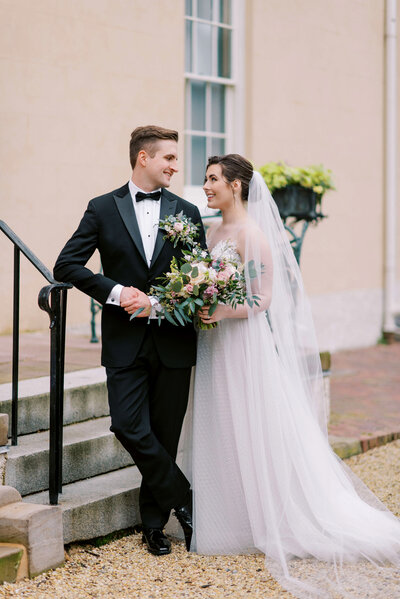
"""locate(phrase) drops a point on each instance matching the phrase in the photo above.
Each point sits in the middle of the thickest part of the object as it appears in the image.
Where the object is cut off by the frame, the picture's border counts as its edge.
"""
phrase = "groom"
(147, 365)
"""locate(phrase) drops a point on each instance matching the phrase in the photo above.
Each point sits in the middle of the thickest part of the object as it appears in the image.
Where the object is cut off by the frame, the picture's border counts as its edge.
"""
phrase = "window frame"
(234, 92)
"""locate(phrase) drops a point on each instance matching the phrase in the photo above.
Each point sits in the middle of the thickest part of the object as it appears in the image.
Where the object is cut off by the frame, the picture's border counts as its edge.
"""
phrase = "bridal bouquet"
(196, 281)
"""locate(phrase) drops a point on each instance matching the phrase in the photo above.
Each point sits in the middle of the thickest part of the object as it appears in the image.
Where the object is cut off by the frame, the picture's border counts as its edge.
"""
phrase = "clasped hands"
(133, 299)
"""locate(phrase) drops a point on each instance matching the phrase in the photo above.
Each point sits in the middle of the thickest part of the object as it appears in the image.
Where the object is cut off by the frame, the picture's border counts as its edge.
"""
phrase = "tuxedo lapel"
(167, 208)
(125, 207)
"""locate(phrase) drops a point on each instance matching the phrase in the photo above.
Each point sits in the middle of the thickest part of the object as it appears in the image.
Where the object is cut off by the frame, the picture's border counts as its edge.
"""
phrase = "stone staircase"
(101, 483)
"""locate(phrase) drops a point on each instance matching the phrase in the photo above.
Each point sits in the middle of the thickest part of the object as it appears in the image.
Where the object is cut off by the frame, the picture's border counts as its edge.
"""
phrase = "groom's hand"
(132, 299)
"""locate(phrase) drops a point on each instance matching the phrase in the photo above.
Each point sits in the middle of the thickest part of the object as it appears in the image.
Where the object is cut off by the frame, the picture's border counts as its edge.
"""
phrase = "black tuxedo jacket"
(109, 224)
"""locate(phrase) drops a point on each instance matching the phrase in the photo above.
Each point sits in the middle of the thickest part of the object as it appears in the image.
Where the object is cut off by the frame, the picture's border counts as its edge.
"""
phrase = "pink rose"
(210, 290)
(227, 273)
(178, 227)
(222, 276)
(230, 270)
(188, 288)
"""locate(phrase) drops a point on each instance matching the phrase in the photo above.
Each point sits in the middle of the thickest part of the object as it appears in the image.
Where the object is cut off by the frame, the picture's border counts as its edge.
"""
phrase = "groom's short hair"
(146, 138)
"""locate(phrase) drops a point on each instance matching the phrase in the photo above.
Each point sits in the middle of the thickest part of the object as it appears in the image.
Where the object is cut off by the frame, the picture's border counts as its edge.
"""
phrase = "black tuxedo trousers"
(147, 404)
(148, 366)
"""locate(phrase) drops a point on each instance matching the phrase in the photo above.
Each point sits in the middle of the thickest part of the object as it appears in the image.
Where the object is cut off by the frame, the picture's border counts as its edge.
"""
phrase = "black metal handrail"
(53, 300)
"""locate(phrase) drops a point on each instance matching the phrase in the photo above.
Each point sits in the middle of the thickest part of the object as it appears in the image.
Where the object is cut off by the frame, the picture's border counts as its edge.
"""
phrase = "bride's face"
(218, 191)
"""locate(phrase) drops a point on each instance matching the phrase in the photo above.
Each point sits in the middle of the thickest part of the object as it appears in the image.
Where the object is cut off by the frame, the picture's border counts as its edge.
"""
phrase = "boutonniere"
(180, 229)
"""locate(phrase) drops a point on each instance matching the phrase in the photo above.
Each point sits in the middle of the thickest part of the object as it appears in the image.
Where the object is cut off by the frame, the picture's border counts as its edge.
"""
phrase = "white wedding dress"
(266, 480)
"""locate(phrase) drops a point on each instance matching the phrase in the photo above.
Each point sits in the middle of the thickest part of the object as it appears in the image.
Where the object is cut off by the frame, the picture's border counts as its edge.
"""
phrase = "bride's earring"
(236, 193)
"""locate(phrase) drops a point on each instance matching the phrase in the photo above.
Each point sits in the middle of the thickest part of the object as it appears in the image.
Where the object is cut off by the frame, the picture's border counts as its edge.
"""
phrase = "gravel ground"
(124, 569)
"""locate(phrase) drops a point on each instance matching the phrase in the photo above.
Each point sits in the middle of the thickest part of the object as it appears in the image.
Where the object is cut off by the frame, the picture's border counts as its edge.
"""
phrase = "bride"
(264, 476)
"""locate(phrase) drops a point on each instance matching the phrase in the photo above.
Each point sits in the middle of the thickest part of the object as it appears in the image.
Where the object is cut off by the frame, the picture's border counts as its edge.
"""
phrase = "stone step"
(89, 449)
(85, 397)
(97, 506)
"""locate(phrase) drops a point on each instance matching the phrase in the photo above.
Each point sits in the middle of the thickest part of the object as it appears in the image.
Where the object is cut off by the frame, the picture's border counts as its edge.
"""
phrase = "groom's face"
(161, 167)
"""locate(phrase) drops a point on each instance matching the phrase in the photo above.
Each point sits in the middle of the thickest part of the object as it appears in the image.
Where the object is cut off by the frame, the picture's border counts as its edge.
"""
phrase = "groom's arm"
(70, 264)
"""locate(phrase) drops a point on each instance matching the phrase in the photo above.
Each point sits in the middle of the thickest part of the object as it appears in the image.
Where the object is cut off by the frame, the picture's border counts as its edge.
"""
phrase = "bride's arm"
(255, 248)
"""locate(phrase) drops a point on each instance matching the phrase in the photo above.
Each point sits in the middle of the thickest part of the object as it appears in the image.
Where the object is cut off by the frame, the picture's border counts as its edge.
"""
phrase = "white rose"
(202, 274)
(212, 274)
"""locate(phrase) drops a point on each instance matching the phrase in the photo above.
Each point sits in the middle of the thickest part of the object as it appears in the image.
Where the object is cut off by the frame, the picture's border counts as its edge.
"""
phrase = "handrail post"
(61, 363)
(15, 359)
(56, 309)
(57, 348)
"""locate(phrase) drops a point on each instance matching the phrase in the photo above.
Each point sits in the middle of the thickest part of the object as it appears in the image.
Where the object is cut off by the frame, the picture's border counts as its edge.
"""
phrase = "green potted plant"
(297, 191)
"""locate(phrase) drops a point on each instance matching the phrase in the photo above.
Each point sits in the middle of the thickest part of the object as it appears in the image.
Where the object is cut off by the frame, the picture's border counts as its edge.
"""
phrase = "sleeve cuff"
(115, 295)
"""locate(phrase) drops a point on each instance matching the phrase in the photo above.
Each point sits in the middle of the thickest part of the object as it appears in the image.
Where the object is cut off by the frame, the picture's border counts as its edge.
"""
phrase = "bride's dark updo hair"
(233, 167)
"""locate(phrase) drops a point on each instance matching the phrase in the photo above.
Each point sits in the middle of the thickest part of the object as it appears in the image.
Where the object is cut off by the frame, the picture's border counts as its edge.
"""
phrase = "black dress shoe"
(156, 541)
(184, 516)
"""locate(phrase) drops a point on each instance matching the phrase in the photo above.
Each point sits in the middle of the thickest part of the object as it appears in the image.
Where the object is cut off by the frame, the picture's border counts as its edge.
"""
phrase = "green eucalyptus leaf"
(138, 311)
(169, 318)
(186, 268)
(178, 317)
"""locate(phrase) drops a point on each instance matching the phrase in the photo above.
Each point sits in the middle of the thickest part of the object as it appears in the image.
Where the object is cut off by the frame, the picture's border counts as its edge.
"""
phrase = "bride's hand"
(219, 314)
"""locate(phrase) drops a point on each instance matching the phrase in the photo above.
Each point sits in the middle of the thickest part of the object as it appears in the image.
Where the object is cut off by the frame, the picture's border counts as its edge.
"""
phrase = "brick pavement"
(365, 383)
(365, 394)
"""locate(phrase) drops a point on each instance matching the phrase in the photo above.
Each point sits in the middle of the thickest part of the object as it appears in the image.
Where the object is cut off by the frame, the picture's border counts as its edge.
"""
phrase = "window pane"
(188, 140)
(224, 52)
(188, 47)
(225, 14)
(198, 166)
(217, 146)
(189, 8)
(198, 117)
(204, 9)
(218, 108)
(204, 49)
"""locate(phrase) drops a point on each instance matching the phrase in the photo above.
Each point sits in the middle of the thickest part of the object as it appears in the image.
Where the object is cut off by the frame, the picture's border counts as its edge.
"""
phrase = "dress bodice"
(226, 249)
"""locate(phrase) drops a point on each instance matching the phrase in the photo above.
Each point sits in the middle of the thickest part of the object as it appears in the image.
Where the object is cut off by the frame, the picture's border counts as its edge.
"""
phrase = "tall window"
(209, 83)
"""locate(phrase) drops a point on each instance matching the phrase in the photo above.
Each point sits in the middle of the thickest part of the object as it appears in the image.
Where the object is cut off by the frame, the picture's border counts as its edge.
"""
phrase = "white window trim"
(234, 94)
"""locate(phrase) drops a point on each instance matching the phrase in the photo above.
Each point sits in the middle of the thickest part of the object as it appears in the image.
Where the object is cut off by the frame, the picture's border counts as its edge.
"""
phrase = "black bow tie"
(148, 196)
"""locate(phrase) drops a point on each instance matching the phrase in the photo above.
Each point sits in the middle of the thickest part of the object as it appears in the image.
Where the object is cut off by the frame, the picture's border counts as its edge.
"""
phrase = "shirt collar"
(133, 188)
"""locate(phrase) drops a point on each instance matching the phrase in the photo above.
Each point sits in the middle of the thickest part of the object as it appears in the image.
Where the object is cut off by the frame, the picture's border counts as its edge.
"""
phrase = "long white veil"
(323, 532)
(289, 312)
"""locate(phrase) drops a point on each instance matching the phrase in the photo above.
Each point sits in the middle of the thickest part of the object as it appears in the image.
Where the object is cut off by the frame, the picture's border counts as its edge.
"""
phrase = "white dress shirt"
(147, 215)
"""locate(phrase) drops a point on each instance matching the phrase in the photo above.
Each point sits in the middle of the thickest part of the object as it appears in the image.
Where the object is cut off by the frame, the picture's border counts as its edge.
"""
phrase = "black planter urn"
(298, 202)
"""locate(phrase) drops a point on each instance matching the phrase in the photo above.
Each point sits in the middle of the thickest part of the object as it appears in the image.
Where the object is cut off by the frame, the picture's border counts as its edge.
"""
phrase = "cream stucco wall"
(316, 95)
(77, 77)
